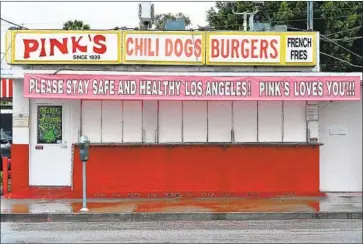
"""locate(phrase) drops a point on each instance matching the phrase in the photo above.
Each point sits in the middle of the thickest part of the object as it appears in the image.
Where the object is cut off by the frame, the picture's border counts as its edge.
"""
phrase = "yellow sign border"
(201, 62)
(14, 32)
(267, 64)
(313, 35)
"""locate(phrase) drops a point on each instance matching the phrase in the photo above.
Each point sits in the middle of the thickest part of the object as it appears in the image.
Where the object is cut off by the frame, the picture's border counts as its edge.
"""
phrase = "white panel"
(270, 121)
(219, 121)
(20, 135)
(91, 120)
(20, 107)
(294, 121)
(111, 121)
(132, 121)
(52, 165)
(245, 121)
(195, 121)
(170, 121)
(75, 123)
(150, 118)
(341, 155)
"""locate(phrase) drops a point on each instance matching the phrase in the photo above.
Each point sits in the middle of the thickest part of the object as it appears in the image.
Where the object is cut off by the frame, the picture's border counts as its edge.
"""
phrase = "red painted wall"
(188, 171)
(199, 170)
(19, 167)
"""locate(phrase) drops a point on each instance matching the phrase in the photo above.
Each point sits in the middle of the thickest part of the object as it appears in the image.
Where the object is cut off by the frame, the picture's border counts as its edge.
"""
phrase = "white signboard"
(300, 49)
(246, 49)
(66, 47)
(261, 48)
(20, 120)
(145, 47)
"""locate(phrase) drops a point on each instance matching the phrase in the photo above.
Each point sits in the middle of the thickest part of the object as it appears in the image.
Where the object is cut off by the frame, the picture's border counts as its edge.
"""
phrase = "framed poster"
(49, 124)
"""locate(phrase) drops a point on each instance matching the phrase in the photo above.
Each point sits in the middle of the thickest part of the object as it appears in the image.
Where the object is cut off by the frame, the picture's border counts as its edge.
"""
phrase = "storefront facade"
(175, 114)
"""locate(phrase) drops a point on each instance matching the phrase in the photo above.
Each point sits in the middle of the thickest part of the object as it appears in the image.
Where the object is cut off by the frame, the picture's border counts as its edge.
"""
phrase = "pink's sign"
(147, 87)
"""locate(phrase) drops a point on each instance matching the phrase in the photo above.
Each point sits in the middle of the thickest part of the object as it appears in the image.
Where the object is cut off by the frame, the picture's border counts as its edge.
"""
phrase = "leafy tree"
(75, 25)
(339, 23)
(160, 19)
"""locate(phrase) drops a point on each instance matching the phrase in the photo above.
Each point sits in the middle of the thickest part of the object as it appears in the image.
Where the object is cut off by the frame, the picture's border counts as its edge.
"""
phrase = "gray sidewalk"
(333, 206)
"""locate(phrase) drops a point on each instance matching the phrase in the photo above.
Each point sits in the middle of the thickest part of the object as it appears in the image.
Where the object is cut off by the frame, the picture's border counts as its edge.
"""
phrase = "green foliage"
(337, 20)
(161, 19)
(75, 25)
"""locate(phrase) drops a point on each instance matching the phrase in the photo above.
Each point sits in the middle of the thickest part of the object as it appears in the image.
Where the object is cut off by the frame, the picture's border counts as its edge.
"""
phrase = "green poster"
(49, 124)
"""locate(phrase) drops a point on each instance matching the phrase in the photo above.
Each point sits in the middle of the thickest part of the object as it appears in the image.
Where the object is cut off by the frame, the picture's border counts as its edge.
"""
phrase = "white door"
(50, 152)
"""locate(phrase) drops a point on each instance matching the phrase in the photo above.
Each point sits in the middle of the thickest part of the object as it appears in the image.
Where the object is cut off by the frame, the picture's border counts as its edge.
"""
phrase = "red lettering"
(273, 46)
(225, 49)
(178, 47)
(254, 48)
(76, 46)
(30, 45)
(245, 51)
(168, 47)
(138, 47)
(145, 47)
(100, 41)
(188, 48)
(234, 51)
(129, 50)
(214, 48)
(42, 50)
(198, 48)
(263, 49)
(61, 46)
(157, 48)
(150, 52)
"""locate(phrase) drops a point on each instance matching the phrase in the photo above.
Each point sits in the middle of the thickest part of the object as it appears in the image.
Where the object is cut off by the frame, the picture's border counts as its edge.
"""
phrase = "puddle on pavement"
(168, 205)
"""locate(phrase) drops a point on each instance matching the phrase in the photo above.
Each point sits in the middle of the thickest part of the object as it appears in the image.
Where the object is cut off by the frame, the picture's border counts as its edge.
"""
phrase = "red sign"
(67, 47)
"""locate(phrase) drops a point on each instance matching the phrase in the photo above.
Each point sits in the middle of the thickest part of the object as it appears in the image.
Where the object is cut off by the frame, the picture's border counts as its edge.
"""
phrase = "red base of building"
(160, 171)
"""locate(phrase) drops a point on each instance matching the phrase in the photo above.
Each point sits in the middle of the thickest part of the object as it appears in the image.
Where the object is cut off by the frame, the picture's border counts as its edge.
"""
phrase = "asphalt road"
(299, 231)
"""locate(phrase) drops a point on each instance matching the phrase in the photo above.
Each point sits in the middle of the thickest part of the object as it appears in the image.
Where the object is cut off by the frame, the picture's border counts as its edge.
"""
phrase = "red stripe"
(3, 88)
(10, 88)
(6, 88)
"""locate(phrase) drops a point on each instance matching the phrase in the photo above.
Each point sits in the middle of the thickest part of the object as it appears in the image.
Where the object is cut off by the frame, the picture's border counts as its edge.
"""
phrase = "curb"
(146, 217)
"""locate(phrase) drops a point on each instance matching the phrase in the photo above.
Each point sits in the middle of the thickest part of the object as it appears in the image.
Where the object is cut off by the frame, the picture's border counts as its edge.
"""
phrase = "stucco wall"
(341, 155)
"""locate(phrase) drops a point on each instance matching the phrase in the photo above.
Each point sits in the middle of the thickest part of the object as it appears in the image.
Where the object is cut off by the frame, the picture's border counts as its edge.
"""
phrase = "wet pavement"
(281, 231)
(329, 203)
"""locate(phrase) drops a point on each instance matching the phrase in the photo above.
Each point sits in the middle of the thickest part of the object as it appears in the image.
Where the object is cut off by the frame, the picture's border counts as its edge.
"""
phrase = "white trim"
(6, 111)
(20, 74)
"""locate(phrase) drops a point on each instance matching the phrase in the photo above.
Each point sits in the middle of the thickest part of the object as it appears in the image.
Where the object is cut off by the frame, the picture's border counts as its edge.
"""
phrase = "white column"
(21, 114)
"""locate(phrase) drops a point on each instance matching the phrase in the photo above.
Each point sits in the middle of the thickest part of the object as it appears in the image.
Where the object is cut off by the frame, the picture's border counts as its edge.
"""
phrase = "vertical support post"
(5, 175)
(84, 186)
(310, 15)
(282, 122)
(207, 108)
(182, 125)
(258, 125)
(244, 21)
(232, 122)
(101, 119)
(122, 122)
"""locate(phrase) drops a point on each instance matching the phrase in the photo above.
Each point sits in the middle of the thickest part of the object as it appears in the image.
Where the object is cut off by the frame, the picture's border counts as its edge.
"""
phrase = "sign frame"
(301, 64)
(203, 47)
(282, 62)
(13, 34)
